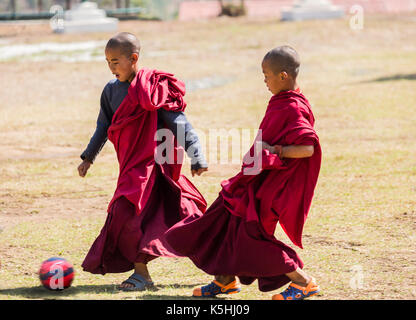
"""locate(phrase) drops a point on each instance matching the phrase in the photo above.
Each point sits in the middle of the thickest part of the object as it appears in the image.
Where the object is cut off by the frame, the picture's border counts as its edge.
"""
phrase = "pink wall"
(266, 8)
(191, 10)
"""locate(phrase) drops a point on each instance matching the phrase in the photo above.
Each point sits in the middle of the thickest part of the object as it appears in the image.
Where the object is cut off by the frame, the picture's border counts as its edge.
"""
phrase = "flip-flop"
(139, 283)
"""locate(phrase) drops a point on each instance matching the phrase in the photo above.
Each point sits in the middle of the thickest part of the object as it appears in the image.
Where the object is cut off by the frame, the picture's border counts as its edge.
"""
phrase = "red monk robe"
(236, 234)
(149, 197)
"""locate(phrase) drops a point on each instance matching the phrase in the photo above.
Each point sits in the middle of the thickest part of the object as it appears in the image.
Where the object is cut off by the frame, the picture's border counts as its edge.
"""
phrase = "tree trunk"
(13, 6)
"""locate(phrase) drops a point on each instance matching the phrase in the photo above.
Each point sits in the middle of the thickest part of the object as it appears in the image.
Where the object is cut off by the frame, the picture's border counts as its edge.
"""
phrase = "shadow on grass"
(171, 297)
(411, 76)
(177, 286)
(40, 292)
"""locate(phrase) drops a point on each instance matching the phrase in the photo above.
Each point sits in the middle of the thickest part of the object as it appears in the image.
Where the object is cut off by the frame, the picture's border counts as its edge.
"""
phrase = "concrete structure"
(85, 17)
(311, 9)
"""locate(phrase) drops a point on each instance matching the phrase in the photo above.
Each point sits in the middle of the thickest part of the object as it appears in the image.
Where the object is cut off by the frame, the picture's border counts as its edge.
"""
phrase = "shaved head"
(283, 58)
(126, 42)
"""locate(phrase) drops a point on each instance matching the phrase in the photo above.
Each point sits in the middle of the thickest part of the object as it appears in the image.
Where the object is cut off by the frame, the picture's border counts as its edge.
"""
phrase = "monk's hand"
(83, 167)
(198, 171)
(267, 146)
(276, 149)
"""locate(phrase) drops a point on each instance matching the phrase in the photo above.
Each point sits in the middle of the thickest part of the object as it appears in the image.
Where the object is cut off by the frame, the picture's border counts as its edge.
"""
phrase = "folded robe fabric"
(158, 194)
(284, 189)
(236, 234)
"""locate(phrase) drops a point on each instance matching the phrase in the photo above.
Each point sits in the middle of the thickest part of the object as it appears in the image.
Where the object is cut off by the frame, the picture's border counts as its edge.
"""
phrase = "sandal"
(139, 283)
(295, 292)
(214, 288)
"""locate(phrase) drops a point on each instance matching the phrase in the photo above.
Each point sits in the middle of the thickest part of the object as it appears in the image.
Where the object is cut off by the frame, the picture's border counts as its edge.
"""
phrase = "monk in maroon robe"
(150, 196)
(235, 236)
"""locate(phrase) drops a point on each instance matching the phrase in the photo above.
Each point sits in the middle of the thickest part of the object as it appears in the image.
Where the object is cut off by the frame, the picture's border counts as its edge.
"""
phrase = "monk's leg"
(299, 277)
(225, 279)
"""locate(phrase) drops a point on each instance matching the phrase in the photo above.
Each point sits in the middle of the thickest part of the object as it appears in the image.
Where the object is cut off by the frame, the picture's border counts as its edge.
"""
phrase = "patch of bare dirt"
(47, 152)
(45, 208)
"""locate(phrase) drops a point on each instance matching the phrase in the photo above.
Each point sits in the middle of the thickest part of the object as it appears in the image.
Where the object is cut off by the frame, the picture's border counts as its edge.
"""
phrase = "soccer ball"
(56, 273)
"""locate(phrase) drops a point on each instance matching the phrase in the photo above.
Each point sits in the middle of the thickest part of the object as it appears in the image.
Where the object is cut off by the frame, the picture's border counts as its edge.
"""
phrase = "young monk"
(151, 195)
(235, 237)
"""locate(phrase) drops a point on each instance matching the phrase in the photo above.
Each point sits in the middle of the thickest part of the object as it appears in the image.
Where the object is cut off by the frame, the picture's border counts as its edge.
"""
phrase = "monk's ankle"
(141, 269)
(225, 280)
(303, 282)
(299, 277)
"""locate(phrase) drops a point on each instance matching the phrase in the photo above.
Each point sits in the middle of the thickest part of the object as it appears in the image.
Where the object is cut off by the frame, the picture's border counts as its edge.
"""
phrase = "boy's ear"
(283, 75)
(134, 57)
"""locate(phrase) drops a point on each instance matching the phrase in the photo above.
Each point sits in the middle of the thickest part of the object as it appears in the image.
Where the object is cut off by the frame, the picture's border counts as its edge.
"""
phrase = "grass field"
(359, 239)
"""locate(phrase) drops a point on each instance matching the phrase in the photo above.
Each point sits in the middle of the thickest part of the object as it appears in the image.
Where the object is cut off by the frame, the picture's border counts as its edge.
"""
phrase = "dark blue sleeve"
(99, 137)
(179, 125)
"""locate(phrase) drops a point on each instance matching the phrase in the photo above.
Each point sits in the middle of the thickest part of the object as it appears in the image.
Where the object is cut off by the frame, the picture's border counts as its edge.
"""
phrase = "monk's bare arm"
(295, 151)
(292, 151)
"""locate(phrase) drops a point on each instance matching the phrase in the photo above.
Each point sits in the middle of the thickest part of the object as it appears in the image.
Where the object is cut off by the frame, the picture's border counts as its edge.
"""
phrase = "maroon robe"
(149, 197)
(236, 234)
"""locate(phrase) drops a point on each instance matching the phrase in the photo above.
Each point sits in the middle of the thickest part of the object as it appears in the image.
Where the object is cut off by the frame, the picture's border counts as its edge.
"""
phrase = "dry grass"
(363, 90)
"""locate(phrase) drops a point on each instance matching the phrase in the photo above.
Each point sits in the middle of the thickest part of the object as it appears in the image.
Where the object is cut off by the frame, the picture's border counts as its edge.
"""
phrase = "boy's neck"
(291, 87)
(133, 75)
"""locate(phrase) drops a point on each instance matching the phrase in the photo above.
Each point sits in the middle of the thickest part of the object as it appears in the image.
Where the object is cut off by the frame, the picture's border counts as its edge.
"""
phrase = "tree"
(231, 9)
(13, 6)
